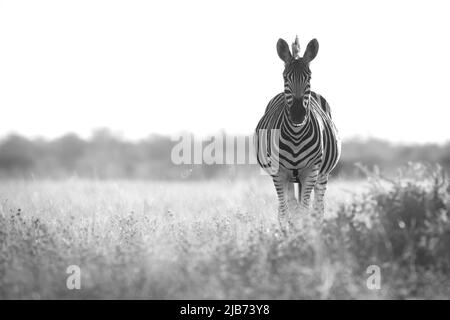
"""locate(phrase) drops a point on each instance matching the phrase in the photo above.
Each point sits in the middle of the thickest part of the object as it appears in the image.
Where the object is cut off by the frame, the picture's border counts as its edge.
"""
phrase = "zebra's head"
(296, 76)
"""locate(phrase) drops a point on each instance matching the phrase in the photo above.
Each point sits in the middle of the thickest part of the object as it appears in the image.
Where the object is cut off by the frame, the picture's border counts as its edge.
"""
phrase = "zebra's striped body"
(315, 143)
(307, 147)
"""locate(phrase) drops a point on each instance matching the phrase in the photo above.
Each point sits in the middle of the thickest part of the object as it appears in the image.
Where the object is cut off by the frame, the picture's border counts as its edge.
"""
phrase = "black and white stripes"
(307, 147)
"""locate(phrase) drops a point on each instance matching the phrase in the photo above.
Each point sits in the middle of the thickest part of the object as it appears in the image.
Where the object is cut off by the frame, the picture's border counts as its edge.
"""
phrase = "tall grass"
(221, 240)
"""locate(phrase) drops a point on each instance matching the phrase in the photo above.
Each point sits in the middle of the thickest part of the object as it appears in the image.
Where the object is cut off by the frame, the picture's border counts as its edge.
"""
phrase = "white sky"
(140, 67)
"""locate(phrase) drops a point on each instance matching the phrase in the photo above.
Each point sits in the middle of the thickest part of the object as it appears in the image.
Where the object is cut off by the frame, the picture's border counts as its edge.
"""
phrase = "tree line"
(105, 155)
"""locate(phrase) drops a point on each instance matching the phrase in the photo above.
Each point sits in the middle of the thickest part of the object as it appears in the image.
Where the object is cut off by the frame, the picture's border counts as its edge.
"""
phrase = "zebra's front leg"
(319, 193)
(292, 201)
(281, 186)
(308, 180)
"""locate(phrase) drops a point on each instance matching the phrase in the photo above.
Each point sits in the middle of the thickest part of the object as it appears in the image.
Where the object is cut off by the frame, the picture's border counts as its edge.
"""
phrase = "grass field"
(191, 240)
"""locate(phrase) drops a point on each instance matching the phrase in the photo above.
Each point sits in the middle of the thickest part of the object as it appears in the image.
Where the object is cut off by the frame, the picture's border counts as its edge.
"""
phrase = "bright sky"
(140, 67)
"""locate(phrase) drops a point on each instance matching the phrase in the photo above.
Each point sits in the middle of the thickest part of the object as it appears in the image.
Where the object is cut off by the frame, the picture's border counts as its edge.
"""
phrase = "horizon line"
(119, 135)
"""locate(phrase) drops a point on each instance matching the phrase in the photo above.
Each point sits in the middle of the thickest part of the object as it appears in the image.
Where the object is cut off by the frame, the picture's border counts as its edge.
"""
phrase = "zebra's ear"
(283, 51)
(311, 50)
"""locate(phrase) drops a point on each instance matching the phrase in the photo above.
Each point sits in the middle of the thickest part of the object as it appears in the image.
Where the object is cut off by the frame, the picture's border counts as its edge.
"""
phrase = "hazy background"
(143, 71)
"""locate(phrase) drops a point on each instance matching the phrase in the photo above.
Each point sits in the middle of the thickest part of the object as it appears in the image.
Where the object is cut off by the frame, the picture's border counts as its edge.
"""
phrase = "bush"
(402, 221)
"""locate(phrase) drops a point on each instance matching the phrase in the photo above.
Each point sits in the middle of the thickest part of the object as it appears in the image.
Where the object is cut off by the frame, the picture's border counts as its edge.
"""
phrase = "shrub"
(403, 220)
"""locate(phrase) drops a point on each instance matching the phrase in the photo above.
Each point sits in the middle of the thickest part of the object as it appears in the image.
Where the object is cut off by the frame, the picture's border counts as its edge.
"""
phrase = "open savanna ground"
(220, 239)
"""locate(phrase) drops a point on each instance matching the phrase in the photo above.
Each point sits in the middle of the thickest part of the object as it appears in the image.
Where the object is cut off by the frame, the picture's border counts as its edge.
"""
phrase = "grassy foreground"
(220, 240)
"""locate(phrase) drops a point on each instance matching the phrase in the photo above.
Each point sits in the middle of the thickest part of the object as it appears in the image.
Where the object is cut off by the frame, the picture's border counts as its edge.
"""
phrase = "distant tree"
(68, 150)
(16, 154)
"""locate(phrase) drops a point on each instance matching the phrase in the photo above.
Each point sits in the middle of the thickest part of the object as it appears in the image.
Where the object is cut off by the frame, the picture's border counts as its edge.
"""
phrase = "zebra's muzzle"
(298, 124)
(297, 113)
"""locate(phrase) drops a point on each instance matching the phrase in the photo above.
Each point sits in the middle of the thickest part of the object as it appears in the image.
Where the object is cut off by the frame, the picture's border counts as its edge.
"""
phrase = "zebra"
(307, 146)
